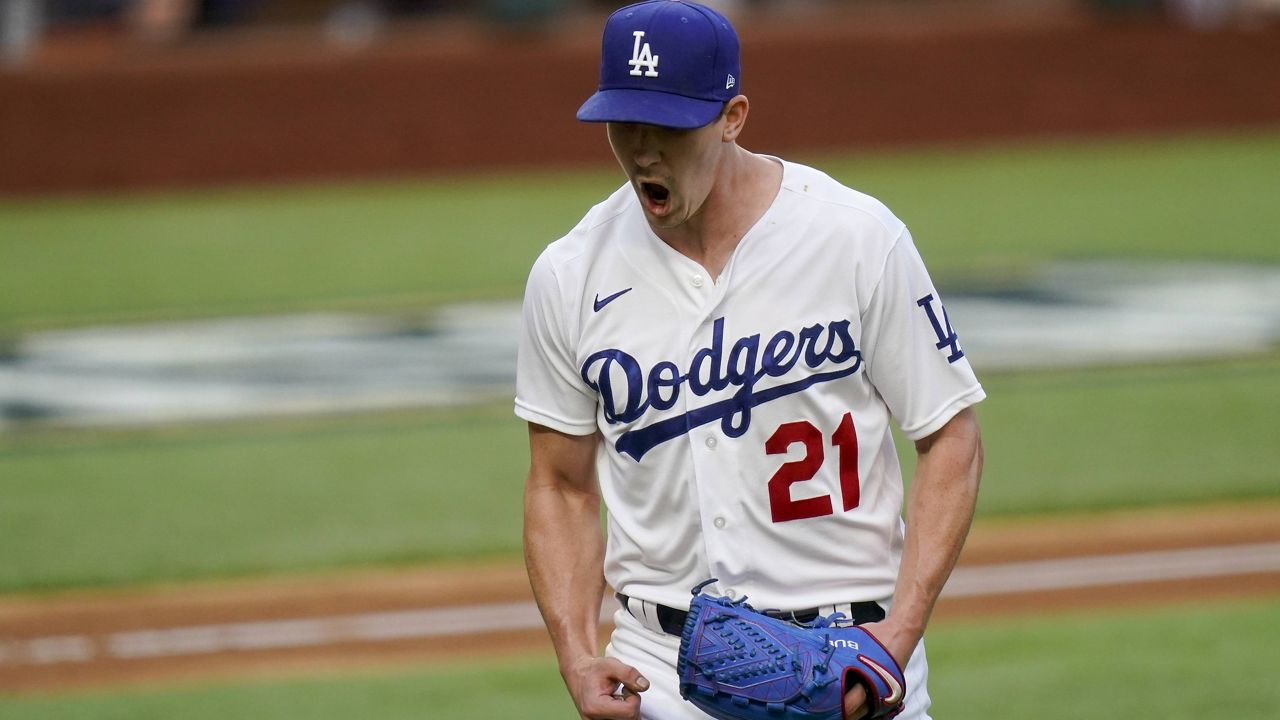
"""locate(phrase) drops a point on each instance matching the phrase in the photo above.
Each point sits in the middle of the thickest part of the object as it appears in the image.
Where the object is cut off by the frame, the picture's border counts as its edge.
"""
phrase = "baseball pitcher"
(716, 352)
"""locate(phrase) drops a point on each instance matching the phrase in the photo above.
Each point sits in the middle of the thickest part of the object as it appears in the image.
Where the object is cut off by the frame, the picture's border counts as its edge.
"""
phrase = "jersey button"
(711, 442)
(719, 523)
(696, 280)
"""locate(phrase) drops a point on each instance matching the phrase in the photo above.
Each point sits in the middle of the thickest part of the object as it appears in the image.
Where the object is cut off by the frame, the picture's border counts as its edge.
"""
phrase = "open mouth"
(655, 196)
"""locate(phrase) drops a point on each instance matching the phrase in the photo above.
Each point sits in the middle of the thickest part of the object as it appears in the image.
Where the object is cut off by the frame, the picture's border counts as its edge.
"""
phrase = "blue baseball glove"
(739, 664)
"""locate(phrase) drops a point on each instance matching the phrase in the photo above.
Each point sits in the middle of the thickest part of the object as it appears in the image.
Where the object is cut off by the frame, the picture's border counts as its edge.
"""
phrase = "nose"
(645, 149)
(636, 145)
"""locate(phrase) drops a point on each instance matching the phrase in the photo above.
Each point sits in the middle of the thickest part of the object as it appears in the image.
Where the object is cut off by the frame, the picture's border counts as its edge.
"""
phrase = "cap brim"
(650, 107)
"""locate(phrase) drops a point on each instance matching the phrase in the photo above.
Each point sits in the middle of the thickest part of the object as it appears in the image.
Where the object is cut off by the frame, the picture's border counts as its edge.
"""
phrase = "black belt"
(672, 620)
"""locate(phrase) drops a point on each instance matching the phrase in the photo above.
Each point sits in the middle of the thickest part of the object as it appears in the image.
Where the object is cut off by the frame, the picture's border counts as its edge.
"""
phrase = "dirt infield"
(278, 626)
(449, 96)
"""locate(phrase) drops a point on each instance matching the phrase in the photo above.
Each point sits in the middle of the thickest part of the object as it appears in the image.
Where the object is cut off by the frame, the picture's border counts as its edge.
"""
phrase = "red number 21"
(845, 439)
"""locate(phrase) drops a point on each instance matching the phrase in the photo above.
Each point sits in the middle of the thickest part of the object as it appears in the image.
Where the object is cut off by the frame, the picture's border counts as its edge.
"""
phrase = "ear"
(735, 118)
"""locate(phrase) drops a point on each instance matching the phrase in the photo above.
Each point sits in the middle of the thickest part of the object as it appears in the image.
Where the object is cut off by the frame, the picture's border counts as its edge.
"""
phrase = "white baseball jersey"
(745, 419)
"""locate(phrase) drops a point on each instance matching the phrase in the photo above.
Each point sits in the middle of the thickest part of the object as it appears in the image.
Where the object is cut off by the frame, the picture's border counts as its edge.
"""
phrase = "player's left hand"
(900, 643)
(855, 703)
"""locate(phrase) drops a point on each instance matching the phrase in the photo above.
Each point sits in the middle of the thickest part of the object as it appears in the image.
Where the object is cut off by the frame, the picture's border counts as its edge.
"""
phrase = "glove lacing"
(822, 675)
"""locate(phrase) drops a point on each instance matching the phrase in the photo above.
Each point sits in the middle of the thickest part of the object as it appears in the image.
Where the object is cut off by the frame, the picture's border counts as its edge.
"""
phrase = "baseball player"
(716, 352)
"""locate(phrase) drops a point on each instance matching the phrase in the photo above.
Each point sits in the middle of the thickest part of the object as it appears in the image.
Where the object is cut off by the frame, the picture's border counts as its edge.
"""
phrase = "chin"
(667, 222)
(674, 217)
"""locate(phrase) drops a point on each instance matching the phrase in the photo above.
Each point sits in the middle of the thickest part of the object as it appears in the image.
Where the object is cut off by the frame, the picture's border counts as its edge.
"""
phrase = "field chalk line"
(966, 581)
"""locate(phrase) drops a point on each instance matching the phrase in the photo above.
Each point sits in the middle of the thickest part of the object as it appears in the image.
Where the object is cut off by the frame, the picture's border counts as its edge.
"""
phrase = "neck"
(745, 186)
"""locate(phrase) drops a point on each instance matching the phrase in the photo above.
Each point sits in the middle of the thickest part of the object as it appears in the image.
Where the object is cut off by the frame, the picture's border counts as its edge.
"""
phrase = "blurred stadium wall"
(112, 97)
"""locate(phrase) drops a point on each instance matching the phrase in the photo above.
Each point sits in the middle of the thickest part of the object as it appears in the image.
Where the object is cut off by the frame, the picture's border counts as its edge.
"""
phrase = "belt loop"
(649, 616)
(847, 609)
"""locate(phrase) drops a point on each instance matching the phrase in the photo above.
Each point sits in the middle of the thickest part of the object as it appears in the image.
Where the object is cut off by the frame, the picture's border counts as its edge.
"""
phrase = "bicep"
(561, 461)
(961, 431)
(950, 458)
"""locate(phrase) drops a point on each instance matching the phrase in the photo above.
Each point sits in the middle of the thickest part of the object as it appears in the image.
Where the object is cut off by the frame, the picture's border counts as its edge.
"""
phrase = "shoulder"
(850, 223)
(571, 255)
(839, 203)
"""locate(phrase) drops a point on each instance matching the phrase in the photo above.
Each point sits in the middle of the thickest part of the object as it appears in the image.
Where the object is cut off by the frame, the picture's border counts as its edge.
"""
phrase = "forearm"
(564, 553)
(940, 510)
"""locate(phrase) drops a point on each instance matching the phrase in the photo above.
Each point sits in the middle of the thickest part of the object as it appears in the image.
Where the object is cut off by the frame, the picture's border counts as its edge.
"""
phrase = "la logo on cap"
(699, 70)
(643, 57)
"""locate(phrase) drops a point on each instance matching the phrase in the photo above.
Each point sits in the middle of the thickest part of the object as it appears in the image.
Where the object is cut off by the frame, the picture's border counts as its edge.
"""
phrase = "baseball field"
(130, 530)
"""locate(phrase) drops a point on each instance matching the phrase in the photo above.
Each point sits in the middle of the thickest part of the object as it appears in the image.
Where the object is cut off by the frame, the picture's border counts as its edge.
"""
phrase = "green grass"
(1210, 660)
(135, 507)
(127, 507)
(1086, 440)
(975, 213)
(363, 246)
(528, 687)
(1179, 663)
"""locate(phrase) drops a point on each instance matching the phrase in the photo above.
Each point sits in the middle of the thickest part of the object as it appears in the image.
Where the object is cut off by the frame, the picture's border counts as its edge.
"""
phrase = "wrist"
(909, 616)
(906, 627)
(572, 665)
(898, 637)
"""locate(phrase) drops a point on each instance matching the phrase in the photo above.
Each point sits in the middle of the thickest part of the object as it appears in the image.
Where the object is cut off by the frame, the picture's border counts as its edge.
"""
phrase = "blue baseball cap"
(665, 62)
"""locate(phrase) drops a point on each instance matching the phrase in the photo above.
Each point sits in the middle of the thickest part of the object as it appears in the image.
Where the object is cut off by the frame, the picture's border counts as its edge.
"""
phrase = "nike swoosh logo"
(895, 687)
(600, 303)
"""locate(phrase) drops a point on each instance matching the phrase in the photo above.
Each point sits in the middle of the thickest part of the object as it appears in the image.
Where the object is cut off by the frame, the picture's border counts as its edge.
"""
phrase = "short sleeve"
(913, 353)
(549, 390)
